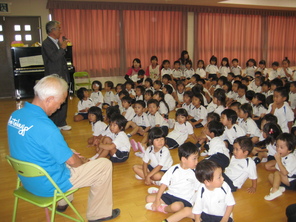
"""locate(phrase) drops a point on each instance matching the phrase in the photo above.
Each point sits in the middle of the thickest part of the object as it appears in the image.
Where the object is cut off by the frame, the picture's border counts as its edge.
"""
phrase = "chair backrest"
(27, 169)
(81, 75)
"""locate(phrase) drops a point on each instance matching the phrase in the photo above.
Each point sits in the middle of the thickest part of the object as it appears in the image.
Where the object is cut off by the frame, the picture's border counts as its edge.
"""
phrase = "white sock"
(94, 157)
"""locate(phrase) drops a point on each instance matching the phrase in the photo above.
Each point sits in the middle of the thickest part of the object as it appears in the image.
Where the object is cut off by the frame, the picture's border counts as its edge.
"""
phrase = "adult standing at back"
(34, 138)
(53, 53)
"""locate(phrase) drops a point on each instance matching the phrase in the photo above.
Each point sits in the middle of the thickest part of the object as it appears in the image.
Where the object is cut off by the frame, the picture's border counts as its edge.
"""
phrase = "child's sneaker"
(129, 135)
(94, 157)
(282, 189)
(264, 160)
(138, 177)
(134, 145)
(256, 159)
(152, 190)
(157, 183)
(204, 153)
(274, 195)
(139, 154)
(161, 208)
(141, 148)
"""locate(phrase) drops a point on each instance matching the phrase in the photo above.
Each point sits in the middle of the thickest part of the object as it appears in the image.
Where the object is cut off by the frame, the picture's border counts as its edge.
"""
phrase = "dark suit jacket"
(54, 59)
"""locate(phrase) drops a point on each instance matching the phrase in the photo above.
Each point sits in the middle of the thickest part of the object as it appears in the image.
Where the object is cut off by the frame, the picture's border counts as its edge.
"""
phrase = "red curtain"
(148, 33)
(228, 35)
(95, 38)
(281, 38)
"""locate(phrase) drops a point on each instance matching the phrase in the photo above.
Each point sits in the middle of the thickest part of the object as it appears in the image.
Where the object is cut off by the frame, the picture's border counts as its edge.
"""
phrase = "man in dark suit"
(53, 53)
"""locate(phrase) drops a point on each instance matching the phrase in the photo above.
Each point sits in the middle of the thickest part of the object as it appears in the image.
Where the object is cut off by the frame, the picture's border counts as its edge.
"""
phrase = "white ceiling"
(260, 4)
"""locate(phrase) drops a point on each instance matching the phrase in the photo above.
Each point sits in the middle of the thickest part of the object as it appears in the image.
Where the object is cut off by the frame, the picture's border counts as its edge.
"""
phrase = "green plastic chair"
(27, 169)
(81, 79)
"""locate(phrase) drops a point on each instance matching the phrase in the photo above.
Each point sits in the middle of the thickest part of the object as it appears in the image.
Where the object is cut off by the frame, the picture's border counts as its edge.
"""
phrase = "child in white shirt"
(118, 149)
(236, 69)
(180, 93)
(182, 130)
(83, 105)
(95, 118)
(97, 96)
(224, 69)
(169, 99)
(187, 105)
(139, 122)
(285, 175)
(241, 166)
(247, 123)
(274, 72)
(212, 69)
(128, 112)
(188, 71)
(292, 96)
(259, 109)
(232, 130)
(201, 69)
(140, 90)
(198, 114)
(109, 97)
(165, 68)
(241, 98)
(163, 106)
(281, 109)
(180, 181)
(250, 68)
(157, 158)
(129, 87)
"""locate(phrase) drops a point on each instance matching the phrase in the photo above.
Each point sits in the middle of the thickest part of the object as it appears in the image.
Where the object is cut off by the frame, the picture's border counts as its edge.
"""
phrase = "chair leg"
(47, 214)
(14, 209)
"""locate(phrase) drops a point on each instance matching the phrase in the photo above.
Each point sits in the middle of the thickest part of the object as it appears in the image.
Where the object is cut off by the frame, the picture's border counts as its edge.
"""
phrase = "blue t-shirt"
(33, 137)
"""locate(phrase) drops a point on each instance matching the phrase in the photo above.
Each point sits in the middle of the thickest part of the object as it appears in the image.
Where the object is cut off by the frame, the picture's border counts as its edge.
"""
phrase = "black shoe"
(62, 208)
(115, 213)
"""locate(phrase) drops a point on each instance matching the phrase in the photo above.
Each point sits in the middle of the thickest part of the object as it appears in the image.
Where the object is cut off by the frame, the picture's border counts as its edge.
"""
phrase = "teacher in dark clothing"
(53, 53)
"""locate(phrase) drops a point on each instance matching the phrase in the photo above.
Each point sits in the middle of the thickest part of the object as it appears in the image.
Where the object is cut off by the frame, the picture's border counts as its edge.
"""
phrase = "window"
(1, 38)
(27, 27)
(17, 28)
(28, 37)
(18, 37)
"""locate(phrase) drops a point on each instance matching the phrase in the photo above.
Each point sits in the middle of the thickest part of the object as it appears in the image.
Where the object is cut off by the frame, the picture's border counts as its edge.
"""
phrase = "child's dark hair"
(277, 82)
(186, 149)
(167, 76)
(189, 62)
(231, 74)
(260, 97)
(182, 58)
(223, 79)
(216, 127)
(155, 133)
(225, 59)
(247, 108)
(153, 58)
(229, 86)
(286, 60)
(269, 100)
(245, 143)
(109, 84)
(149, 92)
(220, 95)
(97, 83)
(121, 85)
(205, 169)
(180, 83)
(112, 110)
(250, 95)
(141, 103)
(142, 89)
(129, 82)
(230, 115)
(289, 139)
(201, 80)
(169, 89)
(136, 60)
(128, 99)
(244, 87)
(97, 112)
(196, 76)
(165, 61)
(188, 93)
(258, 74)
(251, 60)
(262, 62)
(161, 96)
(270, 118)
(267, 83)
(239, 77)
(214, 59)
(214, 78)
(275, 63)
(197, 89)
(282, 91)
(141, 72)
(150, 81)
(120, 120)
(246, 79)
(200, 97)
(235, 104)
(80, 93)
(158, 82)
(201, 61)
(213, 116)
(153, 101)
(293, 83)
(177, 62)
(272, 131)
(237, 82)
(182, 112)
(123, 92)
(234, 60)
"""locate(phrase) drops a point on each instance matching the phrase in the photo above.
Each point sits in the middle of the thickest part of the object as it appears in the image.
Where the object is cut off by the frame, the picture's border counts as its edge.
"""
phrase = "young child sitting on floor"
(180, 181)
(118, 148)
(128, 112)
(83, 105)
(157, 159)
(182, 130)
(217, 152)
(284, 176)
(241, 166)
(198, 114)
(139, 122)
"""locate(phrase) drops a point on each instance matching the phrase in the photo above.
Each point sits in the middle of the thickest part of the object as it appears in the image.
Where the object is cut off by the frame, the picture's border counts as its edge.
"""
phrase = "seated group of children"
(235, 121)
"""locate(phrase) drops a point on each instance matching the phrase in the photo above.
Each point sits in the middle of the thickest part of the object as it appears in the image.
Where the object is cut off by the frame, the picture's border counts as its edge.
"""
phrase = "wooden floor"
(128, 193)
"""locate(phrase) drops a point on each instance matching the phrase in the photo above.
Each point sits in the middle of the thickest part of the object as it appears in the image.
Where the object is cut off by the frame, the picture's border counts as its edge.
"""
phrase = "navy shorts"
(171, 143)
(197, 125)
(150, 168)
(169, 199)
(213, 218)
(120, 156)
(269, 158)
(84, 115)
(292, 185)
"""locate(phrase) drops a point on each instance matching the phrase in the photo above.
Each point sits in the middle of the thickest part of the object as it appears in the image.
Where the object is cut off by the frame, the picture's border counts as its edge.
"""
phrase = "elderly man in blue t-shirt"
(33, 137)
